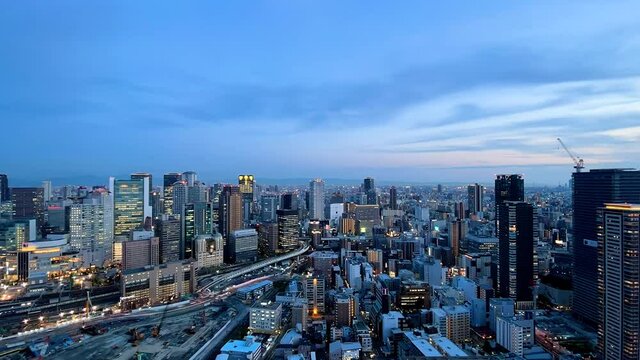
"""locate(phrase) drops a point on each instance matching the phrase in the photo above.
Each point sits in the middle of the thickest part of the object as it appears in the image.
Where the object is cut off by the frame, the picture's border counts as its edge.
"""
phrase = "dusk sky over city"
(410, 91)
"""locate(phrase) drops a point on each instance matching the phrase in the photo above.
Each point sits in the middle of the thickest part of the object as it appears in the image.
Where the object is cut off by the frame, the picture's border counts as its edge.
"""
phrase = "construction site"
(159, 335)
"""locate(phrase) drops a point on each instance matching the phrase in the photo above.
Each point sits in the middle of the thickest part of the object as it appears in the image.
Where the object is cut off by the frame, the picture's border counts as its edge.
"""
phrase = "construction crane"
(155, 331)
(579, 163)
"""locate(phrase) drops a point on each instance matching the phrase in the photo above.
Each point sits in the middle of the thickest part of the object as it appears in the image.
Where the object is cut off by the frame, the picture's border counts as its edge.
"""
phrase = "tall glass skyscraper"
(619, 281)
(591, 190)
(168, 181)
(130, 205)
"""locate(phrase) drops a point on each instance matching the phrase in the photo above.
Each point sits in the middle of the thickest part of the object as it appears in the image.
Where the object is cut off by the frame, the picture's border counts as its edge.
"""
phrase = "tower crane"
(579, 163)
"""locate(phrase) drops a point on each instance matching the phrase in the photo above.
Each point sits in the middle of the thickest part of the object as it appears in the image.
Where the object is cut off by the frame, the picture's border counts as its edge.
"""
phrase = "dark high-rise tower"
(4, 188)
(393, 198)
(369, 189)
(475, 194)
(289, 201)
(288, 228)
(168, 230)
(507, 188)
(28, 203)
(168, 181)
(230, 210)
(517, 263)
(591, 190)
(619, 281)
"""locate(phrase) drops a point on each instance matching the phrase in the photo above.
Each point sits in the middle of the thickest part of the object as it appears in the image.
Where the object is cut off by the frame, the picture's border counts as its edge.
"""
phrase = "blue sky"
(402, 91)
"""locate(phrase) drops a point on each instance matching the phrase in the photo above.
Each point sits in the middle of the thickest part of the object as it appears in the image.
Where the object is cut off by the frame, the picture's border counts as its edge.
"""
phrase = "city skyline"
(412, 92)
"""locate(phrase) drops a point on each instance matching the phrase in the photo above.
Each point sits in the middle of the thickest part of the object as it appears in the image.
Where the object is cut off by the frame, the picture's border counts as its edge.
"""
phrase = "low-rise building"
(247, 349)
(265, 318)
(152, 285)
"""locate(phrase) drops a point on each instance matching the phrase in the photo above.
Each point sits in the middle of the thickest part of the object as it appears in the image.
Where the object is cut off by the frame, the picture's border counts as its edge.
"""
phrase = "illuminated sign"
(246, 183)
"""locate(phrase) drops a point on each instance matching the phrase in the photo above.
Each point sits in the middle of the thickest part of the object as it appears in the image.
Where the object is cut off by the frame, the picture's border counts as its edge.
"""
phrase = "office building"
(591, 190)
(140, 250)
(203, 217)
(453, 322)
(507, 188)
(517, 263)
(457, 229)
(515, 334)
(314, 292)
(141, 176)
(248, 349)
(168, 231)
(168, 181)
(246, 183)
(345, 307)
(4, 188)
(91, 227)
(265, 318)
(369, 190)
(288, 230)
(152, 285)
(269, 204)
(289, 201)
(180, 196)
(131, 209)
(500, 307)
(188, 228)
(393, 198)
(316, 199)
(209, 250)
(619, 281)
(47, 190)
(230, 210)
(189, 177)
(475, 198)
(477, 267)
(242, 246)
(28, 203)
(299, 314)
(413, 296)
(267, 239)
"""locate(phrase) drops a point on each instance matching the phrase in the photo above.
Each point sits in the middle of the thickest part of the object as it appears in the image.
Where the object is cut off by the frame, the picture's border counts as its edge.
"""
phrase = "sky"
(410, 91)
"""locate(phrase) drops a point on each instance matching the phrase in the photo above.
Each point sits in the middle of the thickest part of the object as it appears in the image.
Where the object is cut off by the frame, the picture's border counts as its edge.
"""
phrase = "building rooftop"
(255, 286)
(448, 347)
(422, 345)
(248, 345)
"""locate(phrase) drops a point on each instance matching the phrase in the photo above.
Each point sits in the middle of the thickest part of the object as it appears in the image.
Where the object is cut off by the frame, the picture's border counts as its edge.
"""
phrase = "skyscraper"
(189, 177)
(619, 281)
(180, 193)
(507, 188)
(204, 218)
(48, 190)
(517, 263)
(316, 199)
(131, 209)
(28, 203)
(288, 227)
(168, 230)
(230, 210)
(91, 227)
(591, 190)
(289, 201)
(188, 236)
(393, 198)
(246, 184)
(4, 188)
(143, 175)
(268, 206)
(168, 181)
(475, 194)
(369, 189)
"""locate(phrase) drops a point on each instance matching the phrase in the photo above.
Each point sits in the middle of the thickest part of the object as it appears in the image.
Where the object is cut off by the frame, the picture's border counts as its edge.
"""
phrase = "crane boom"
(579, 163)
